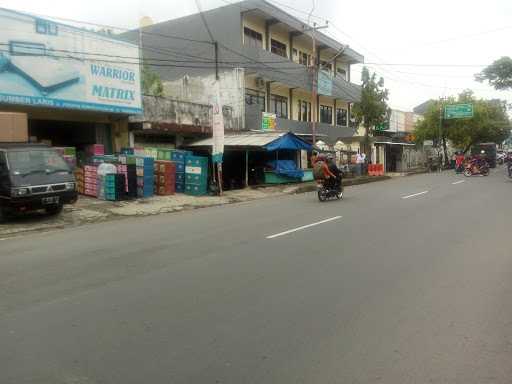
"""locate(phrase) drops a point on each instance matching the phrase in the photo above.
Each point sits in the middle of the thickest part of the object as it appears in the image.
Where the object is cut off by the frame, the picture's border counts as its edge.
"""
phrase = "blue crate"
(180, 167)
(180, 187)
(180, 177)
(178, 156)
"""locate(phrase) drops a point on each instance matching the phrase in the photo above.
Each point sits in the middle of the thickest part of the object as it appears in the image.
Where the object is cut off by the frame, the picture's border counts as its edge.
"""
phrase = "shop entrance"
(71, 133)
(394, 158)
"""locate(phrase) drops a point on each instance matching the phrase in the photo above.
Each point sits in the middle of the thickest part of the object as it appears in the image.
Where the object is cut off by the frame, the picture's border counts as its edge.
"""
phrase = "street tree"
(373, 109)
(151, 82)
(498, 74)
(490, 123)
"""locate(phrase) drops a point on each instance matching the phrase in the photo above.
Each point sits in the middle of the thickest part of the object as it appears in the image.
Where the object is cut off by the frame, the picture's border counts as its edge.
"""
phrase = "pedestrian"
(360, 158)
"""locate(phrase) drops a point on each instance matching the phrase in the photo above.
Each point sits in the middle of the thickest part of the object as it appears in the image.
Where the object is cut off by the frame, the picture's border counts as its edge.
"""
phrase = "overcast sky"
(394, 31)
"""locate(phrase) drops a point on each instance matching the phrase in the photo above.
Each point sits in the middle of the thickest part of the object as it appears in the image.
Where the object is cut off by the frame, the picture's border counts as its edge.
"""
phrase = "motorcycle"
(327, 192)
(472, 169)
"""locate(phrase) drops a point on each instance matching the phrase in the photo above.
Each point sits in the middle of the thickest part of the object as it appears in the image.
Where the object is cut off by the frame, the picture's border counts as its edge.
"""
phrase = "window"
(26, 49)
(295, 54)
(304, 58)
(341, 117)
(304, 111)
(279, 106)
(342, 73)
(325, 114)
(326, 66)
(253, 97)
(46, 27)
(278, 48)
(252, 38)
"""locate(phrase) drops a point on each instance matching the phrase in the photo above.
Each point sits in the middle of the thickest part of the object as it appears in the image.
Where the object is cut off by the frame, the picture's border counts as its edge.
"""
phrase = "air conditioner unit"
(260, 82)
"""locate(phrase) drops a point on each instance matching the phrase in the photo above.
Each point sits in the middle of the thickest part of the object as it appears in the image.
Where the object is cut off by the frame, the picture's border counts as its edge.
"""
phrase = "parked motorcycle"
(473, 169)
(327, 192)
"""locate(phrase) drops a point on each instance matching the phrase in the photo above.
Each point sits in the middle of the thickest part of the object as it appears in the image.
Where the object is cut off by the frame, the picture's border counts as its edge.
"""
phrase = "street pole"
(440, 128)
(314, 85)
(314, 89)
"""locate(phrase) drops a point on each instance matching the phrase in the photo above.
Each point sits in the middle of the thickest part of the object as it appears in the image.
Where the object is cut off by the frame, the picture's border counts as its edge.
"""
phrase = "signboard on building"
(382, 126)
(52, 65)
(268, 121)
(458, 111)
(428, 143)
(324, 83)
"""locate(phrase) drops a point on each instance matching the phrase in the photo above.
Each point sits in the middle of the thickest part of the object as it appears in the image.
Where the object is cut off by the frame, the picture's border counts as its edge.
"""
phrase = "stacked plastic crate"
(128, 167)
(90, 180)
(80, 180)
(145, 176)
(178, 157)
(111, 187)
(196, 175)
(95, 150)
(165, 177)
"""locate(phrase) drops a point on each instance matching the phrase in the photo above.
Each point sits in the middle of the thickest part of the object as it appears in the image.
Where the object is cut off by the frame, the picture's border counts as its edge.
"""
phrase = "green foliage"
(490, 122)
(151, 82)
(498, 74)
(373, 108)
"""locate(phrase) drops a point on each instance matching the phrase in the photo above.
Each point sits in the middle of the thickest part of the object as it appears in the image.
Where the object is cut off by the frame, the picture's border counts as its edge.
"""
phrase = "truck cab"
(32, 177)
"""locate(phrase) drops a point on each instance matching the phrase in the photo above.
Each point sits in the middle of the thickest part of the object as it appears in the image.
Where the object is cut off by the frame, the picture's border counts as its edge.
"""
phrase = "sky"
(435, 36)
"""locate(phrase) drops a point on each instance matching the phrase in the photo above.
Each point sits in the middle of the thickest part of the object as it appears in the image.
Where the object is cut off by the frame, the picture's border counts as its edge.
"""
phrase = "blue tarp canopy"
(286, 168)
(288, 141)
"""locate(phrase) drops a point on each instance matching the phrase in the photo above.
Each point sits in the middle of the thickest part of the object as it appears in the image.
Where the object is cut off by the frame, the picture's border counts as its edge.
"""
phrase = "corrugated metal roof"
(246, 140)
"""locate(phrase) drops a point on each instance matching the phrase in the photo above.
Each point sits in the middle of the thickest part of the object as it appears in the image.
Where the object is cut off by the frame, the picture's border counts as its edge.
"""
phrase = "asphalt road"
(404, 281)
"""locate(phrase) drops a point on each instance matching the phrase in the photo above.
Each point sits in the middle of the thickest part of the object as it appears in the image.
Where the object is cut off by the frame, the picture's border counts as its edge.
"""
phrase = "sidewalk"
(89, 210)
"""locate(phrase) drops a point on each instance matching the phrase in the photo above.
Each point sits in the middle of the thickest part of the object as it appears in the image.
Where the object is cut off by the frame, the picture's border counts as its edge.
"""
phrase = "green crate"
(164, 154)
(191, 178)
(196, 190)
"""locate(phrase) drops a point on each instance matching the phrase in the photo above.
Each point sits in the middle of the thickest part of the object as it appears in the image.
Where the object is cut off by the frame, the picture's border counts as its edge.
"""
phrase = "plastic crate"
(196, 179)
(196, 190)
(180, 187)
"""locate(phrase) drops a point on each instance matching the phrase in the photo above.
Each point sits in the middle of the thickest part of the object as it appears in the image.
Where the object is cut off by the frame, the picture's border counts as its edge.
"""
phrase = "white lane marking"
(304, 227)
(414, 194)
(458, 182)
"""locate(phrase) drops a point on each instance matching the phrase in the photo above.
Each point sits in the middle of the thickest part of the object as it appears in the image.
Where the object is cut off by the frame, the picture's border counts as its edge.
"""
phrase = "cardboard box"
(13, 127)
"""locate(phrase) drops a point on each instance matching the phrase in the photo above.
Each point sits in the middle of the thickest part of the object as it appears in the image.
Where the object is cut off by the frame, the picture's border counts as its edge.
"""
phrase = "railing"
(331, 132)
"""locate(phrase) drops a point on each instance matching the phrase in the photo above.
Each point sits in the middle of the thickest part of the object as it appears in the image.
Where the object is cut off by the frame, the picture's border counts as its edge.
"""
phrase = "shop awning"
(270, 141)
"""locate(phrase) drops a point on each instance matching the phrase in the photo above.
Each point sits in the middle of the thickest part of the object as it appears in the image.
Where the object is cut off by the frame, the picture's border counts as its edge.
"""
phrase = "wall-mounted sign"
(52, 65)
(268, 121)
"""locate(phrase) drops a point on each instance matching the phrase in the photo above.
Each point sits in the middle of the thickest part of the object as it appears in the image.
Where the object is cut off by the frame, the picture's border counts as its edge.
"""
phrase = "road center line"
(458, 182)
(414, 194)
(304, 227)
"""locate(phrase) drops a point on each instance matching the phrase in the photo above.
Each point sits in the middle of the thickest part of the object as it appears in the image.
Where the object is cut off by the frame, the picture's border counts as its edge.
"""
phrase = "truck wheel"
(54, 210)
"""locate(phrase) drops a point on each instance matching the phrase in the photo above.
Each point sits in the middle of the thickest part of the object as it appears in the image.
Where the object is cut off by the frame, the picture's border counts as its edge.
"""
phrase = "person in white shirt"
(360, 159)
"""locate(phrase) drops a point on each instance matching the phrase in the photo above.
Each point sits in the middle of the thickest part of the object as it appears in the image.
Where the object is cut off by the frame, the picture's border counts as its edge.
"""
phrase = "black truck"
(32, 177)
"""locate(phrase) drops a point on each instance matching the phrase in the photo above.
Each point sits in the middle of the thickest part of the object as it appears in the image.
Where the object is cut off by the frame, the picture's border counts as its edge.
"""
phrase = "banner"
(217, 127)
(52, 65)
(324, 83)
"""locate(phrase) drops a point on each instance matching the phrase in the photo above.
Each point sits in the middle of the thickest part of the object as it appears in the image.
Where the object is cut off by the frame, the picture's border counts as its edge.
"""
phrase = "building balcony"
(326, 132)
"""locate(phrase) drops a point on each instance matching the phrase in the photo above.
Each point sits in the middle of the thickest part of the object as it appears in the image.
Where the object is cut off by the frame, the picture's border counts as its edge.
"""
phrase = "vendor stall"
(260, 158)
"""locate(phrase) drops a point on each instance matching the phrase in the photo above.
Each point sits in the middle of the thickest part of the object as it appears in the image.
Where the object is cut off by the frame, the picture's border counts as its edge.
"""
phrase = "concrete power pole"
(314, 85)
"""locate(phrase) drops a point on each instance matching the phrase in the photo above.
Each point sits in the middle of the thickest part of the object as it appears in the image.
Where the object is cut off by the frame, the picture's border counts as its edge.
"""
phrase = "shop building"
(264, 64)
(76, 87)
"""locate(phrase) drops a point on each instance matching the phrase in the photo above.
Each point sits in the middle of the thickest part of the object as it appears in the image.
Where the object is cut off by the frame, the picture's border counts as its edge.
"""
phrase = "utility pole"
(314, 85)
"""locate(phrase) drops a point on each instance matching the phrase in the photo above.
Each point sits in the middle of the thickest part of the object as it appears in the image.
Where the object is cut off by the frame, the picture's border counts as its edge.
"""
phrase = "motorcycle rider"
(508, 162)
(333, 168)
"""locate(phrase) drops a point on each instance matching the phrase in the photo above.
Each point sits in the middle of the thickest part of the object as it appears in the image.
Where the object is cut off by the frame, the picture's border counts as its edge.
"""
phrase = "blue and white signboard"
(48, 64)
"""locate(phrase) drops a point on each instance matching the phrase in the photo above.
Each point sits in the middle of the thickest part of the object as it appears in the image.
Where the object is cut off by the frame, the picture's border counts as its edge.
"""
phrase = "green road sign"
(458, 111)
(382, 126)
